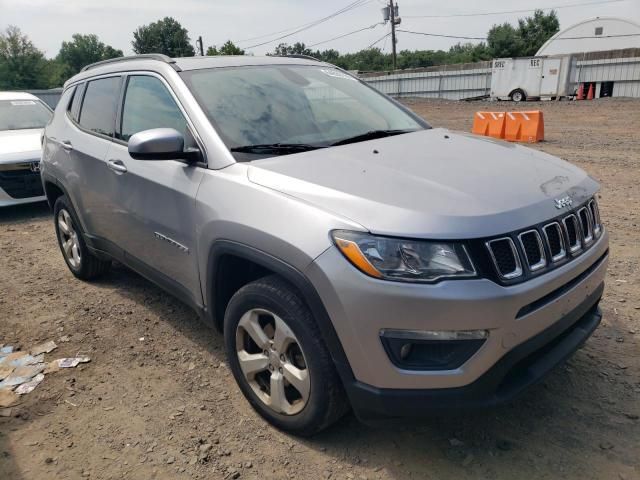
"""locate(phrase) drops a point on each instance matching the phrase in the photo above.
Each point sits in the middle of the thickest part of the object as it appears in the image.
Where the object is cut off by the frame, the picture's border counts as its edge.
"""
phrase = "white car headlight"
(404, 260)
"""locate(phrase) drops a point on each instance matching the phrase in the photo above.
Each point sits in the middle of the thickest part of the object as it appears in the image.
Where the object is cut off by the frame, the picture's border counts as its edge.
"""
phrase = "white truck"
(519, 79)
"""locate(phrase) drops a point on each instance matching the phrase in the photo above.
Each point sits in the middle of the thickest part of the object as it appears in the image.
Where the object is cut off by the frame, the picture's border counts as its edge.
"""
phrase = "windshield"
(23, 114)
(293, 106)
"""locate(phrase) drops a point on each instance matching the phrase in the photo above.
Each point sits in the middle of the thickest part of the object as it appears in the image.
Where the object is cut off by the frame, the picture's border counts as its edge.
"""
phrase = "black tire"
(327, 401)
(518, 95)
(89, 266)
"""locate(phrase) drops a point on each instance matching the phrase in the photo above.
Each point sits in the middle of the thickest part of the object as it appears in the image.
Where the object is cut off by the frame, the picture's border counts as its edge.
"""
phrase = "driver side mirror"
(161, 144)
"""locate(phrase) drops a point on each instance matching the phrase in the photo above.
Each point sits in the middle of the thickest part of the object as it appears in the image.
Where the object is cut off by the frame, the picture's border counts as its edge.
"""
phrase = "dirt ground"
(157, 400)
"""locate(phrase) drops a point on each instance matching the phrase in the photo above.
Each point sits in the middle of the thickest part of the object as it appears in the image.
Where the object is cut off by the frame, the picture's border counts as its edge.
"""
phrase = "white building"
(594, 35)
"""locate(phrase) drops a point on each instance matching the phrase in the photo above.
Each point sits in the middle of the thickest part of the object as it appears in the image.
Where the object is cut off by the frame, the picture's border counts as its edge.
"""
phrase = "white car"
(22, 118)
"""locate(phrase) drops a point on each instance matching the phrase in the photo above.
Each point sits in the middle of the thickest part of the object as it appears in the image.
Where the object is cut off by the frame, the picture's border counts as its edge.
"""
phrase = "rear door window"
(99, 106)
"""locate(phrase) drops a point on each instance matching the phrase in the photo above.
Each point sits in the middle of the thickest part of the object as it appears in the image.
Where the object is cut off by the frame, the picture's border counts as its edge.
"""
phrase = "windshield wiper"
(278, 148)
(370, 135)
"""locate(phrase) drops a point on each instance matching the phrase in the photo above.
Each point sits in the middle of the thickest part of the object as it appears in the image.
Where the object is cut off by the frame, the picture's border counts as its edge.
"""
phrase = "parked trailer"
(519, 79)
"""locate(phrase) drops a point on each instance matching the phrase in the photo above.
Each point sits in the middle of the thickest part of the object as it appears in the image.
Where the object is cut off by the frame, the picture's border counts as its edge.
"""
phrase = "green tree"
(504, 41)
(83, 50)
(164, 36)
(22, 65)
(229, 48)
(508, 41)
(284, 49)
(535, 31)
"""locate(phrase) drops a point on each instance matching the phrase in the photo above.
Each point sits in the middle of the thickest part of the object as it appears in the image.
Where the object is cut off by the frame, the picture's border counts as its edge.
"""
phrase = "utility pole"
(395, 20)
(200, 45)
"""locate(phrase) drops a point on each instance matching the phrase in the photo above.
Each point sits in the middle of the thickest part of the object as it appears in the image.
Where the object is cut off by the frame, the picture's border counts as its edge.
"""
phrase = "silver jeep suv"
(352, 256)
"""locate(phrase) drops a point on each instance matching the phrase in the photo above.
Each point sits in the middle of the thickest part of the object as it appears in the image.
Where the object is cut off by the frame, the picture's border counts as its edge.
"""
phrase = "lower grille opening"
(552, 296)
(21, 184)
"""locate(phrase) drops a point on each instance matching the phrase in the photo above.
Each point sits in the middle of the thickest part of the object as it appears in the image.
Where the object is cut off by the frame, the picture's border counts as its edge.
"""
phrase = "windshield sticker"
(336, 74)
(21, 103)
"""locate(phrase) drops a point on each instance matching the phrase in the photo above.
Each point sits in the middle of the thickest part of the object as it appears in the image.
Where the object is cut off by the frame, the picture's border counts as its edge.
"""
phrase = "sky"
(49, 22)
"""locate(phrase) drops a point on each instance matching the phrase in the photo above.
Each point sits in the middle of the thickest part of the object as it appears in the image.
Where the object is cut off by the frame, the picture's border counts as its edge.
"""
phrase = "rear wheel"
(279, 360)
(518, 96)
(82, 263)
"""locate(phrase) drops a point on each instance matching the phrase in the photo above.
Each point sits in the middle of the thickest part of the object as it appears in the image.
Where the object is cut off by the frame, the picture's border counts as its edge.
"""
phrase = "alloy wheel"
(272, 361)
(69, 239)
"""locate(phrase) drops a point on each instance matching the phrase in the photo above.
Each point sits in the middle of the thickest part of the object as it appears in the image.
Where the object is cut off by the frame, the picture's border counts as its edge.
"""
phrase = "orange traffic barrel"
(489, 124)
(524, 126)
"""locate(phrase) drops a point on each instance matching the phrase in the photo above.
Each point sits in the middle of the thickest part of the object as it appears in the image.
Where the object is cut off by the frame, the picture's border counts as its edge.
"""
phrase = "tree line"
(24, 66)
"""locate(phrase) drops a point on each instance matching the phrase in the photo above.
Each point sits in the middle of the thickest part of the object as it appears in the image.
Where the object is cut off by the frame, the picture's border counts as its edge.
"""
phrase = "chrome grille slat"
(595, 215)
(561, 250)
(517, 270)
(535, 260)
(545, 247)
(586, 225)
(571, 224)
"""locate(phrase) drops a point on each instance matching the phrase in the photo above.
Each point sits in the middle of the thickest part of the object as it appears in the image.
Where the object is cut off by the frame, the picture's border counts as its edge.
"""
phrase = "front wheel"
(82, 263)
(279, 360)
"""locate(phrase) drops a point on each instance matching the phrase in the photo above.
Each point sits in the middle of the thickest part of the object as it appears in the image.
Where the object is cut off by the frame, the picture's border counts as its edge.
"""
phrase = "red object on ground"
(590, 94)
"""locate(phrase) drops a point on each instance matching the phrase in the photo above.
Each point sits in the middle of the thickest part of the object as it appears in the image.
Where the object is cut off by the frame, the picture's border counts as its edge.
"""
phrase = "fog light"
(431, 349)
(405, 350)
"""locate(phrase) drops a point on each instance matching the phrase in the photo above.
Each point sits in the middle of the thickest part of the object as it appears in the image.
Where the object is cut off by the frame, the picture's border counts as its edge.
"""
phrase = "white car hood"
(20, 144)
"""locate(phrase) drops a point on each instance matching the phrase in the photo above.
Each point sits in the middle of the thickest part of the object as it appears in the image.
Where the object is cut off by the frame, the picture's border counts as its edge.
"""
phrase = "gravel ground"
(158, 401)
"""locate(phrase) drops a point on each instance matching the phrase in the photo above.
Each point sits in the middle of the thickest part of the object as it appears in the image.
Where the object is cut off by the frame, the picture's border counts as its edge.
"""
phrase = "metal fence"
(615, 73)
(452, 82)
(50, 97)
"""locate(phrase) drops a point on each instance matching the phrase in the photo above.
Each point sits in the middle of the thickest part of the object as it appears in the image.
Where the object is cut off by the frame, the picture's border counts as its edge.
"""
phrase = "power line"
(481, 14)
(351, 6)
(345, 35)
(443, 36)
(379, 40)
(298, 26)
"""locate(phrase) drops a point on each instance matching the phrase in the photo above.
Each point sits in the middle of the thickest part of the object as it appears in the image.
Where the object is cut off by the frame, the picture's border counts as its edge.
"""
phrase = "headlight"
(404, 260)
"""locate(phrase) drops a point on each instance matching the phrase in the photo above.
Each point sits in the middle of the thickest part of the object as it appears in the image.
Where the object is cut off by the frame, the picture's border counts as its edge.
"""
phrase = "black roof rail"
(145, 56)
(307, 57)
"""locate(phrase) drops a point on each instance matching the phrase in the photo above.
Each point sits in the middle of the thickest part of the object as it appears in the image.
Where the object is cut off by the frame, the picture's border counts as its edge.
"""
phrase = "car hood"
(20, 144)
(431, 184)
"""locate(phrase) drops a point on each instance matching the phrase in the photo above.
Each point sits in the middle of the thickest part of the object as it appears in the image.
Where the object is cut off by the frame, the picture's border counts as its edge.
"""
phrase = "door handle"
(66, 144)
(117, 166)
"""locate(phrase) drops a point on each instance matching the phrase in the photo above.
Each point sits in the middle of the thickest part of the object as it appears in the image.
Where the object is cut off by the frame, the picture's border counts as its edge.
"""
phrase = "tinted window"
(74, 107)
(23, 114)
(148, 104)
(99, 106)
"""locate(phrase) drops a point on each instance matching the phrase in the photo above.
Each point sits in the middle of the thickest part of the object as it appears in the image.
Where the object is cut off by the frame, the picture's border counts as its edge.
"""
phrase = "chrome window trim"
(543, 258)
(563, 247)
(518, 270)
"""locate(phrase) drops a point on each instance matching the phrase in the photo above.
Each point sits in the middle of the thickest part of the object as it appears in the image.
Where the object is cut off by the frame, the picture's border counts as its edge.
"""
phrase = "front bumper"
(520, 368)
(360, 307)
(8, 201)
